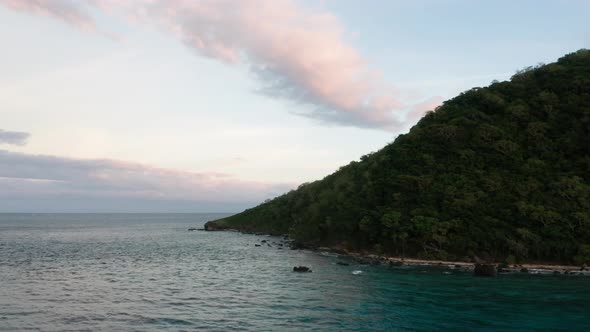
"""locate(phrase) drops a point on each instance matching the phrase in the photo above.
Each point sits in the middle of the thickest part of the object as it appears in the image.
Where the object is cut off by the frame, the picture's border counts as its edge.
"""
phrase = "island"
(498, 174)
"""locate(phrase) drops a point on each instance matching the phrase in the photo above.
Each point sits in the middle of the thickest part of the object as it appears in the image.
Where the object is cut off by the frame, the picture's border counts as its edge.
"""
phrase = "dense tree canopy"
(501, 172)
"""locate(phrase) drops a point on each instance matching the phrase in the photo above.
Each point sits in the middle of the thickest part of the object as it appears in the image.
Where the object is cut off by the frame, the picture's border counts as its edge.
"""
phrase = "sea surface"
(146, 272)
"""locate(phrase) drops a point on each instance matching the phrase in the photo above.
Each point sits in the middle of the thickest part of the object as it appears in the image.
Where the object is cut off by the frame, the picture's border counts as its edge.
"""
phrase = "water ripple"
(147, 273)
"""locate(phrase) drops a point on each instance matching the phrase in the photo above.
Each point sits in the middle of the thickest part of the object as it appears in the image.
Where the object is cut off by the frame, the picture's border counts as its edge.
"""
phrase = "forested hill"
(501, 172)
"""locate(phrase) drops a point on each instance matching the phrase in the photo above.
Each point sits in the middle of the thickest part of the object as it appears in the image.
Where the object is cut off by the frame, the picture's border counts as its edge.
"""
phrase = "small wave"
(357, 272)
(169, 321)
(176, 304)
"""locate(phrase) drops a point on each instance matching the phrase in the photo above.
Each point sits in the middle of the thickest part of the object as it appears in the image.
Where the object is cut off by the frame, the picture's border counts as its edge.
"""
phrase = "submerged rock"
(485, 270)
(342, 263)
(524, 270)
(301, 269)
(192, 229)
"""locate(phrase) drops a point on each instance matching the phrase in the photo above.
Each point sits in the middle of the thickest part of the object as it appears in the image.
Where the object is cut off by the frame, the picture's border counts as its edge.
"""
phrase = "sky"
(217, 105)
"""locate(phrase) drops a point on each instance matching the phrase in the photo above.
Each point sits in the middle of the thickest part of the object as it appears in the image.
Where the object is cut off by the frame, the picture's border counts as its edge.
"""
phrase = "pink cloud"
(298, 53)
(69, 11)
(25, 175)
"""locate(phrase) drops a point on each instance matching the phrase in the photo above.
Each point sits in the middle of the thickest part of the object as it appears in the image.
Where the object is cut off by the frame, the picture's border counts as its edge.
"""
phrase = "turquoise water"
(134, 272)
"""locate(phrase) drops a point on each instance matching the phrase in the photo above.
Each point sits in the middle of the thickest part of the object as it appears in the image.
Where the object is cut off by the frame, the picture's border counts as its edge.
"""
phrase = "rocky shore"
(480, 269)
(372, 259)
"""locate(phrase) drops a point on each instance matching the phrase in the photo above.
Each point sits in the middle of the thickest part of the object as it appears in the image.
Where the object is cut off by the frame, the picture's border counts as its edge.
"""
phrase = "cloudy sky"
(216, 105)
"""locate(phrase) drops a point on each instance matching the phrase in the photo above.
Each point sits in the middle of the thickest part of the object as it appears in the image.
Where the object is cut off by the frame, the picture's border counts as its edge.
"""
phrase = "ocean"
(147, 272)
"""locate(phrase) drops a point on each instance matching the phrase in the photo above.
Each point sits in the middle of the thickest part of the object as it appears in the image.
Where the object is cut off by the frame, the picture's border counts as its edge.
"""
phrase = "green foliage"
(583, 256)
(500, 172)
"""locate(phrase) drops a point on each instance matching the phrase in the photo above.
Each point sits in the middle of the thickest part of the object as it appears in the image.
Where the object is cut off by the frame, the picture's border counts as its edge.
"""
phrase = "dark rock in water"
(263, 241)
(457, 266)
(192, 229)
(301, 269)
(556, 272)
(502, 267)
(342, 263)
(524, 270)
(485, 270)
(297, 245)
(257, 245)
(268, 244)
(368, 261)
(583, 268)
(396, 263)
(280, 244)
(363, 261)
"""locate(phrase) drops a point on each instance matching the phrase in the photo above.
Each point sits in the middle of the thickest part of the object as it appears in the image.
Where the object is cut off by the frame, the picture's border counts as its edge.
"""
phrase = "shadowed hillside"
(501, 172)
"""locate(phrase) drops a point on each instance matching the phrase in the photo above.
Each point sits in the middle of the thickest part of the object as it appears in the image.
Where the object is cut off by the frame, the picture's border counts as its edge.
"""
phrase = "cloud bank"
(298, 53)
(26, 177)
(13, 137)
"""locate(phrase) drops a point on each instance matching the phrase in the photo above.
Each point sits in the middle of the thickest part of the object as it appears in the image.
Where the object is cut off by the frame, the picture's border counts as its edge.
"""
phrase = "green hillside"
(501, 172)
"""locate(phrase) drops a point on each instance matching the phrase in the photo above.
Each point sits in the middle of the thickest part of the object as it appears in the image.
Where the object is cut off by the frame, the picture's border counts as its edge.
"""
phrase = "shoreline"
(374, 259)
(531, 268)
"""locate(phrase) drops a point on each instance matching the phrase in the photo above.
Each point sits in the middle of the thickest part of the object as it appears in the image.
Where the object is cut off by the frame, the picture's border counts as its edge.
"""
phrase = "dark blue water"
(138, 272)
